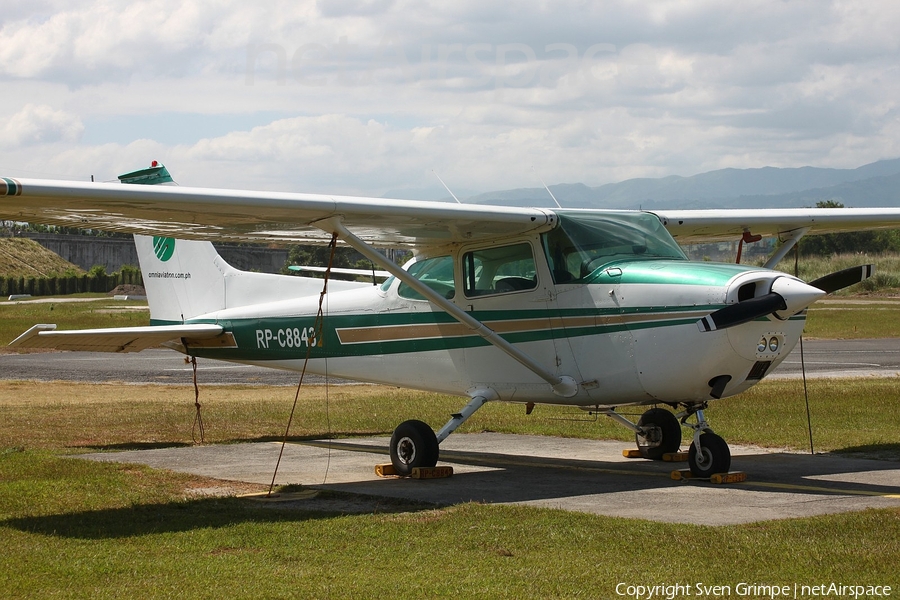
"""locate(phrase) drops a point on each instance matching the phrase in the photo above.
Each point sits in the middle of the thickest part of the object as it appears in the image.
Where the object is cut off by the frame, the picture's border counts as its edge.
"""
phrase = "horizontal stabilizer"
(117, 339)
(342, 271)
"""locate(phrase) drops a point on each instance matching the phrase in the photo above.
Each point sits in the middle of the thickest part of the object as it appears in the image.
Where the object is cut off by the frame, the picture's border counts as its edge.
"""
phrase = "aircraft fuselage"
(618, 314)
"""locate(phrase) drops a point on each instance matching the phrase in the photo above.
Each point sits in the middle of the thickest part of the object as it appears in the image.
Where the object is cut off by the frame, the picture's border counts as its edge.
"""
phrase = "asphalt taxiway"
(822, 358)
(578, 475)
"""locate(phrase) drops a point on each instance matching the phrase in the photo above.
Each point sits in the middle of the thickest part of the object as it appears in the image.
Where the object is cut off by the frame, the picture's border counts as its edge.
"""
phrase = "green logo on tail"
(164, 247)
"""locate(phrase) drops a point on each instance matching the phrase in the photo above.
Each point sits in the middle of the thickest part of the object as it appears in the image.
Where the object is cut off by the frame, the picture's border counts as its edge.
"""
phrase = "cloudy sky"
(374, 97)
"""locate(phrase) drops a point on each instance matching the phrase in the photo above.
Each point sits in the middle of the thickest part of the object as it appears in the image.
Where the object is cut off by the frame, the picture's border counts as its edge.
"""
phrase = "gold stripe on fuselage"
(424, 331)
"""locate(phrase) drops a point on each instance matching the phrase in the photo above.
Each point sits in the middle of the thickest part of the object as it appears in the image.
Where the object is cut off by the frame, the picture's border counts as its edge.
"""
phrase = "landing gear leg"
(709, 453)
(657, 433)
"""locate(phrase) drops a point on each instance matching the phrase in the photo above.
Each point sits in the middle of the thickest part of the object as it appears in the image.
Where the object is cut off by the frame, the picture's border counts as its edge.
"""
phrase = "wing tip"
(33, 332)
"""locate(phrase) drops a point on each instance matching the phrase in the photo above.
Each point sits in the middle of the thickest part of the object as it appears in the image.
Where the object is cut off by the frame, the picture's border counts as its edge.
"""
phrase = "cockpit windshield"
(586, 241)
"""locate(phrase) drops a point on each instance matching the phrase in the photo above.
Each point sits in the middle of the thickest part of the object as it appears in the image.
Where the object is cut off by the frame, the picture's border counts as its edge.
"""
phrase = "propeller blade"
(742, 312)
(841, 279)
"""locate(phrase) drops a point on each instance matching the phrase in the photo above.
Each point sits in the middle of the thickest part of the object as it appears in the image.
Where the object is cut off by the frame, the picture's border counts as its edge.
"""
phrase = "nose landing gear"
(659, 432)
(709, 453)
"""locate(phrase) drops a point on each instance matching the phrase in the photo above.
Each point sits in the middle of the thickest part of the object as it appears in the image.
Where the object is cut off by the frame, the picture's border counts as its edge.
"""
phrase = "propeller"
(841, 279)
(742, 312)
(788, 297)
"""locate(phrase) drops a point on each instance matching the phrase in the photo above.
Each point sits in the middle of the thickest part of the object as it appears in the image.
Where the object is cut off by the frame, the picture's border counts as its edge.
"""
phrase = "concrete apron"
(569, 474)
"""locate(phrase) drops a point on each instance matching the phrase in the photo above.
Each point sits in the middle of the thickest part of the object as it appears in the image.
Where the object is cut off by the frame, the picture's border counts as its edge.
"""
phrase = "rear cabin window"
(499, 270)
(436, 273)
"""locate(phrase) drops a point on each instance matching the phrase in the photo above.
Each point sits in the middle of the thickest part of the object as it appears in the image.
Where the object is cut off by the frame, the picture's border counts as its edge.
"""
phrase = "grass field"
(23, 257)
(81, 529)
(71, 417)
(87, 311)
(78, 529)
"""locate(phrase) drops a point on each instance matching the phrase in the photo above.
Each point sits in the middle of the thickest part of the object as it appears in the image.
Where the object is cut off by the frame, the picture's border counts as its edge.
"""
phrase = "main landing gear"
(658, 432)
(415, 444)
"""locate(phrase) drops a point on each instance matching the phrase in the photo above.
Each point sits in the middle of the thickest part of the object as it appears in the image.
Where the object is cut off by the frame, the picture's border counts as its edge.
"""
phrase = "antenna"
(558, 205)
(445, 186)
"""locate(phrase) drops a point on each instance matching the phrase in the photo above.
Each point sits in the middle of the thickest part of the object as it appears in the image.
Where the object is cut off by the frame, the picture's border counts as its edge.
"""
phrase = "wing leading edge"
(210, 214)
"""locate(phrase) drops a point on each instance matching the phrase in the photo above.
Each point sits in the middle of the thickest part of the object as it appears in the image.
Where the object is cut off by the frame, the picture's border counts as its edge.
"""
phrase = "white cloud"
(37, 124)
(369, 95)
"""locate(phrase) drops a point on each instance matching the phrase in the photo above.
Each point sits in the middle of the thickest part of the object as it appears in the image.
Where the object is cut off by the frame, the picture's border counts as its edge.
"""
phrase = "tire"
(714, 457)
(413, 444)
(664, 436)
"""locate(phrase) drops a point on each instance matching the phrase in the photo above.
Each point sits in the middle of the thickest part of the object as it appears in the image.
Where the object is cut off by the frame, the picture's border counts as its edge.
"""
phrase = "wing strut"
(790, 240)
(564, 386)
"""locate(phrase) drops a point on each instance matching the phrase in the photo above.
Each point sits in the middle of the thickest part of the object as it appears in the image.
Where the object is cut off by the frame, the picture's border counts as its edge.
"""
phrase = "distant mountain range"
(873, 185)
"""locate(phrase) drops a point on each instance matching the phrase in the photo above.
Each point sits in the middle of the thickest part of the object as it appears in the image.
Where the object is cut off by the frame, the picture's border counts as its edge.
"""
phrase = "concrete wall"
(112, 253)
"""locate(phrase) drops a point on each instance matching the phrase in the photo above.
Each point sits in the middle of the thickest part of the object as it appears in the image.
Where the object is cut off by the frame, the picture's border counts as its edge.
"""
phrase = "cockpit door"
(506, 286)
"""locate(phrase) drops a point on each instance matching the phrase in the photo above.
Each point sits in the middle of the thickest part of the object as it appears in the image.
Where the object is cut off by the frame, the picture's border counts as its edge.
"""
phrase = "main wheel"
(714, 456)
(413, 444)
(662, 436)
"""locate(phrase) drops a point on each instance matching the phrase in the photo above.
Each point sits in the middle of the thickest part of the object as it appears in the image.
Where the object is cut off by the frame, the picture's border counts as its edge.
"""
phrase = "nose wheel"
(709, 454)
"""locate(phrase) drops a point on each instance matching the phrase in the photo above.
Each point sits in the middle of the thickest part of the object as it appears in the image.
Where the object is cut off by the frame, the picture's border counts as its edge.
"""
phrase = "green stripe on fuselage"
(287, 338)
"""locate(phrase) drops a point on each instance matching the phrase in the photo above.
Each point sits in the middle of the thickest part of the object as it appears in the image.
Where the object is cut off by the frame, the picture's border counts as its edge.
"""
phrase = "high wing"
(123, 339)
(233, 215)
(230, 215)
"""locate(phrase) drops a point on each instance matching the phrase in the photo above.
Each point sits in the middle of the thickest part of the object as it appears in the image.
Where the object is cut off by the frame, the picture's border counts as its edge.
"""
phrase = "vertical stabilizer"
(183, 278)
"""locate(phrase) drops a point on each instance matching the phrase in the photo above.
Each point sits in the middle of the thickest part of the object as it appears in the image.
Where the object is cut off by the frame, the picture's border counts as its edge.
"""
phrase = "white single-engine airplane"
(591, 308)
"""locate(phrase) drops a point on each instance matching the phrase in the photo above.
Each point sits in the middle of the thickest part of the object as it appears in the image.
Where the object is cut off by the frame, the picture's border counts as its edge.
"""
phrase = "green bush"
(96, 281)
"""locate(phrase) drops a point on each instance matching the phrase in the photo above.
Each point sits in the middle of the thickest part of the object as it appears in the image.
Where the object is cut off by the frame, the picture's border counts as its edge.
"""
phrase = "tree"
(317, 256)
(876, 241)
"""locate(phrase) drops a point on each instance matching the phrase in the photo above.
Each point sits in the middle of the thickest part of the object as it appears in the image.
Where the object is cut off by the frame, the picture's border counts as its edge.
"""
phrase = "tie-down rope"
(318, 327)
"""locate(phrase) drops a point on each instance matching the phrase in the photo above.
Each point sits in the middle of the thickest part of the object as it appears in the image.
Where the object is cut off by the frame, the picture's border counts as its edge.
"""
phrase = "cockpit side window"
(436, 273)
(499, 270)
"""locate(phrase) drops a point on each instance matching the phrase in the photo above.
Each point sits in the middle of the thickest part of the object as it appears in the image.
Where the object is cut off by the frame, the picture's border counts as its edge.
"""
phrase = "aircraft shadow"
(132, 446)
(125, 446)
(181, 516)
(878, 451)
(526, 478)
